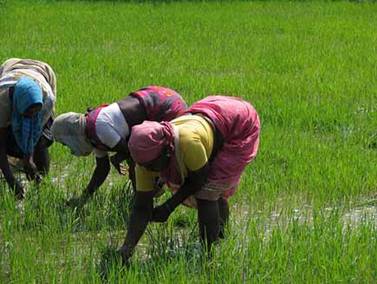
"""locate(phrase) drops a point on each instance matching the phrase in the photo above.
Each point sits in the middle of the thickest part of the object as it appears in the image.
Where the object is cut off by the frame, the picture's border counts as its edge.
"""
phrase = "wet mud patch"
(350, 217)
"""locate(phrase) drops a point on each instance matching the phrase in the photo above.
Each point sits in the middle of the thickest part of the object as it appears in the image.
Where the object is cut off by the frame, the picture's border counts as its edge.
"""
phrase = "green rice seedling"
(110, 262)
(304, 210)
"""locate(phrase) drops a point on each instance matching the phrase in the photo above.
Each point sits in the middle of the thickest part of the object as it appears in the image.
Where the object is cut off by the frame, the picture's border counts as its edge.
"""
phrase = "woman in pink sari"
(201, 156)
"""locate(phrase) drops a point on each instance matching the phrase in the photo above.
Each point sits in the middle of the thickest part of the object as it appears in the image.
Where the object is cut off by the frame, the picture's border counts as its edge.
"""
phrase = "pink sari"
(239, 124)
(237, 121)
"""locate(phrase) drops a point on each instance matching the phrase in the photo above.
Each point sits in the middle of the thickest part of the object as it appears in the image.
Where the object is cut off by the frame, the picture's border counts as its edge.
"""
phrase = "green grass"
(305, 210)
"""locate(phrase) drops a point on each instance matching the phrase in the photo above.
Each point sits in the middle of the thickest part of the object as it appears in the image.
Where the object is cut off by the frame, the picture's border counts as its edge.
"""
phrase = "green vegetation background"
(310, 70)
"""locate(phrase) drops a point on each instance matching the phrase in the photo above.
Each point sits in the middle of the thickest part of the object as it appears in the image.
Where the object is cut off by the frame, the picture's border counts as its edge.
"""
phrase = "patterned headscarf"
(149, 139)
(69, 129)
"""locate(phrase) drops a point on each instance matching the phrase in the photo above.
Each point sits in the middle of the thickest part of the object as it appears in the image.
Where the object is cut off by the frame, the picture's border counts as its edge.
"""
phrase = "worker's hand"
(19, 190)
(31, 170)
(161, 213)
(77, 202)
(126, 254)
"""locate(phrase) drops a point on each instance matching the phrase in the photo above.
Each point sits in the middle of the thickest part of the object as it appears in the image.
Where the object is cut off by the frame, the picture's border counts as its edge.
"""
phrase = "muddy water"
(351, 217)
(80, 245)
(361, 215)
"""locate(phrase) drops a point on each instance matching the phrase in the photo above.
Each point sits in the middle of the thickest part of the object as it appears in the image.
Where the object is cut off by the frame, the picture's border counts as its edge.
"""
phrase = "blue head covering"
(26, 130)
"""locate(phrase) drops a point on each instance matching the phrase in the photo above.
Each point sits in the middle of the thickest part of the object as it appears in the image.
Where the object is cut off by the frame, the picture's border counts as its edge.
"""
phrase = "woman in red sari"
(107, 129)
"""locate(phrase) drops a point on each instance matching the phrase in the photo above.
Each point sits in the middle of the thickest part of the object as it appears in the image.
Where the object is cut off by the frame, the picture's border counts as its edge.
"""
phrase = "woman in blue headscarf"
(27, 99)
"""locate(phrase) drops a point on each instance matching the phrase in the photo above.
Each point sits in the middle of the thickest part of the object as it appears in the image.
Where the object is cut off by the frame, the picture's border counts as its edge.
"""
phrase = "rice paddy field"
(306, 209)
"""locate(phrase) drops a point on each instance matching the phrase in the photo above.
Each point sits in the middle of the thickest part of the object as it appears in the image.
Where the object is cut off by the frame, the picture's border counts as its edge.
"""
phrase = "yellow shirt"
(194, 150)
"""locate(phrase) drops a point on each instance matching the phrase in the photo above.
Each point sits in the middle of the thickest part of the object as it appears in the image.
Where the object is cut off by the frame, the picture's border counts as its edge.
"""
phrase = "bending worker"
(27, 100)
(107, 129)
(200, 156)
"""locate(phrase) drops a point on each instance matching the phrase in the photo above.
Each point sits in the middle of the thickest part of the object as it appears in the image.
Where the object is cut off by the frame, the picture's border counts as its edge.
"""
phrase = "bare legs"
(212, 217)
(224, 216)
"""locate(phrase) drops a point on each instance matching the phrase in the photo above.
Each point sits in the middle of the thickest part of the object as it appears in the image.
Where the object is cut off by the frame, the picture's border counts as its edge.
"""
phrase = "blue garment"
(26, 130)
